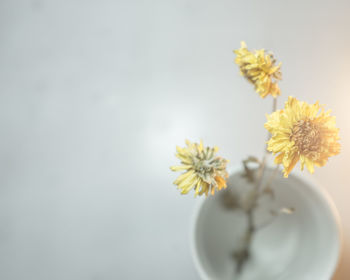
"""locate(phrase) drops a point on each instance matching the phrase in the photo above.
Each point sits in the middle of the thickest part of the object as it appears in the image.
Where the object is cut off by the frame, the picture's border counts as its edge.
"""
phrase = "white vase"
(302, 246)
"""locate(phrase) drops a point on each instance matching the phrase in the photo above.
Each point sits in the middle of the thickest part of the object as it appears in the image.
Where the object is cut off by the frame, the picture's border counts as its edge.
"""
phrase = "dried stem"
(274, 105)
(243, 255)
(273, 175)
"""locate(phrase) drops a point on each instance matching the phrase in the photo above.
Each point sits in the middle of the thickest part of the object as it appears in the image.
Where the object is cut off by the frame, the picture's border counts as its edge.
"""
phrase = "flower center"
(306, 136)
(203, 167)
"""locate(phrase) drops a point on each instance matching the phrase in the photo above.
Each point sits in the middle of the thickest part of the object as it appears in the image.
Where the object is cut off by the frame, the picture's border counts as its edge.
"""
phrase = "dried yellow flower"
(302, 132)
(259, 69)
(205, 172)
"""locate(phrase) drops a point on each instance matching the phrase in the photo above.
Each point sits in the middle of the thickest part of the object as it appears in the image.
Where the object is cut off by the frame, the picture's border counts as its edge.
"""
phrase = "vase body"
(304, 245)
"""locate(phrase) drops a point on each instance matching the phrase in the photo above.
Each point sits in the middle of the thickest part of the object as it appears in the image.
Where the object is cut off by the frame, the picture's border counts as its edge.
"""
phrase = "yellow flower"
(302, 132)
(259, 69)
(205, 172)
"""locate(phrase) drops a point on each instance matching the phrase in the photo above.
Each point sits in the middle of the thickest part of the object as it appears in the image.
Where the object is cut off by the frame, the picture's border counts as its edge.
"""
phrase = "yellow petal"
(188, 181)
(183, 177)
(289, 168)
(309, 165)
(180, 167)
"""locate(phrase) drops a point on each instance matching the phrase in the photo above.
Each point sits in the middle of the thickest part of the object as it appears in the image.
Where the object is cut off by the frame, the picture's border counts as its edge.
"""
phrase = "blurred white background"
(95, 95)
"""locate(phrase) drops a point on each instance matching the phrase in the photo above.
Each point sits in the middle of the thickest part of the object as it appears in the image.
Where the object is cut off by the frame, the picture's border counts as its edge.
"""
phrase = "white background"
(94, 97)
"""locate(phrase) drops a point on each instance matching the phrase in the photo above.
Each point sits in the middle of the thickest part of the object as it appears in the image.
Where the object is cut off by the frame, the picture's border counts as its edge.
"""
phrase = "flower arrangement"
(300, 132)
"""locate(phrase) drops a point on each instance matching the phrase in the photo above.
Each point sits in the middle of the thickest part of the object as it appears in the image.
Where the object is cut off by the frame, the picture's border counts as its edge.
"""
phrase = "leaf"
(287, 210)
(269, 191)
(249, 171)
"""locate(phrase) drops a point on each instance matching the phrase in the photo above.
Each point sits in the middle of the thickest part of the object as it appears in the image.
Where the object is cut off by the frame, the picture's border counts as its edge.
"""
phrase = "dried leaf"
(269, 191)
(249, 171)
(287, 210)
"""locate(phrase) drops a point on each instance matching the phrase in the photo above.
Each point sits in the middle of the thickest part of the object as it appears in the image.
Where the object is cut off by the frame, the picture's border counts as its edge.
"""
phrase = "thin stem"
(263, 164)
(261, 172)
(273, 175)
(274, 105)
(243, 255)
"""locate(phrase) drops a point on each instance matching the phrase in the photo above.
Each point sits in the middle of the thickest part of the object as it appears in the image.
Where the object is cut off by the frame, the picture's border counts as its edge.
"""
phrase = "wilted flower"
(205, 172)
(302, 132)
(259, 69)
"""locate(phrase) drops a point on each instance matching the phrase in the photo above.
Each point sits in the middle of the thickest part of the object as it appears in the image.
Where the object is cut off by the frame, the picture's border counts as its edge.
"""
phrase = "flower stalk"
(243, 255)
(298, 133)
